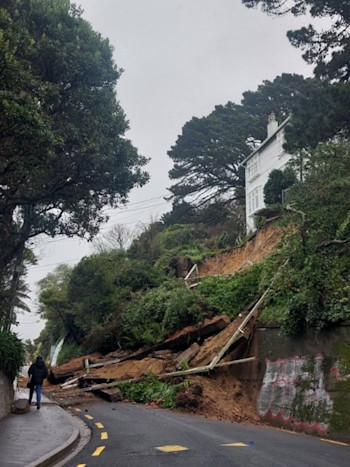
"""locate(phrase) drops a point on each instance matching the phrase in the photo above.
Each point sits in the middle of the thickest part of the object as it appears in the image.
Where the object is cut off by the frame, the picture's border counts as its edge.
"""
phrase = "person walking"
(37, 373)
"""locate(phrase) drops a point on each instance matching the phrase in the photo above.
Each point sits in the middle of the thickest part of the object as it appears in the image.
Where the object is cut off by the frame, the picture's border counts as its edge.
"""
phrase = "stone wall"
(302, 383)
(6, 395)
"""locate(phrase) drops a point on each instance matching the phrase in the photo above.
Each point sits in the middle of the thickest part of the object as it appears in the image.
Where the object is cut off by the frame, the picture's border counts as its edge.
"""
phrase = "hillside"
(222, 394)
(256, 249)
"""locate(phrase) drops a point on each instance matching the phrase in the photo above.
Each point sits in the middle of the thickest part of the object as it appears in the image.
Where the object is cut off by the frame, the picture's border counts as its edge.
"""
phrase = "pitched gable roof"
(266, 141)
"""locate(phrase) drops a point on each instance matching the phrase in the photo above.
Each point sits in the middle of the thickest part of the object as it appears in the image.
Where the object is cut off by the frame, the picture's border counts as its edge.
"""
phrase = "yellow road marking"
(284, 430)
(89, 417)
(99, 425)
(104, 435)
(78, 410)
(235, 445)
(171, 448)
(98, 451)
(334, 442)
(81, 465)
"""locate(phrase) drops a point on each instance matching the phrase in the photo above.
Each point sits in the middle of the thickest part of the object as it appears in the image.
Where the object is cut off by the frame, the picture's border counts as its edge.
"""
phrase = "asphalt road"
(128, 435)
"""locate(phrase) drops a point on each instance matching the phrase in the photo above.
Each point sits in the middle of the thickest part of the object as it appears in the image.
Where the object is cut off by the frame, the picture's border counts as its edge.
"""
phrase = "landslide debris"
(218, 394)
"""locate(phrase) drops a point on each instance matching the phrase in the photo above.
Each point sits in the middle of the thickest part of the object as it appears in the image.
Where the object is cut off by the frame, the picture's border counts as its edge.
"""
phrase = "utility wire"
(120, 220)
(77, 259)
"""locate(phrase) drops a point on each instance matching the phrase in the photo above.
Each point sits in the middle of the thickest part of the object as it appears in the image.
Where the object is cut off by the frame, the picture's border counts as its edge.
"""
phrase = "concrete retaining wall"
(6, 395)
(302, 383)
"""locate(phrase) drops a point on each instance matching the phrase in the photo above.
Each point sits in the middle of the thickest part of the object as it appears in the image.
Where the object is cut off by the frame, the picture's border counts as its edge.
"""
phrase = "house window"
(253, 200)
(252, 167)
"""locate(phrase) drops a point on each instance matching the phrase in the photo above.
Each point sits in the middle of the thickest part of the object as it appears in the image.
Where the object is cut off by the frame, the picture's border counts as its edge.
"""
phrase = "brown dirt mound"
(262, 245)
(131, 369)
(224, 398)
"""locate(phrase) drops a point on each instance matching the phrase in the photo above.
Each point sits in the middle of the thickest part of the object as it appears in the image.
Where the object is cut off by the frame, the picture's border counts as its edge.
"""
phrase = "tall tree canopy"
(319, 114)
(63, 153)
(208, 153)
(328, 49)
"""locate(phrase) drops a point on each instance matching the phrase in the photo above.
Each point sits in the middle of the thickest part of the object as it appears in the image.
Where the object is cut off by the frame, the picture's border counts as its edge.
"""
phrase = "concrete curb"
(59, 452)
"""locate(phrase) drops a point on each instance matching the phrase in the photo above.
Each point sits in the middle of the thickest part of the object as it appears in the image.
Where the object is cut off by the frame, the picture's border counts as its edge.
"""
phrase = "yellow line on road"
(171, 448)
(89, 417)
(81, 465)
(104, 435)
(78, 410)
(284, 430)
(235, 445)
(334, 442)
(98, 451)
(99, 425)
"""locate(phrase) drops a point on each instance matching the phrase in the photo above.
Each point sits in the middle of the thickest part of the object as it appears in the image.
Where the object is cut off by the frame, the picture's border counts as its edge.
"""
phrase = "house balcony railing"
(286, 197)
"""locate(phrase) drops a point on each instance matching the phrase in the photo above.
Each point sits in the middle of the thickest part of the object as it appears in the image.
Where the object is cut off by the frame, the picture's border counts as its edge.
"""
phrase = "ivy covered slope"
(313, 288)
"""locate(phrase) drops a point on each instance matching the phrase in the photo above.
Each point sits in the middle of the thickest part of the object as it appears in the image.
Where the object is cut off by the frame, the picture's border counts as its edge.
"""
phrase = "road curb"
(59, 452)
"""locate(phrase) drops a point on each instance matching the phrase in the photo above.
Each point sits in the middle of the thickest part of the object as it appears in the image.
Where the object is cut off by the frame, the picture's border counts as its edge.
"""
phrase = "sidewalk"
(36, 438)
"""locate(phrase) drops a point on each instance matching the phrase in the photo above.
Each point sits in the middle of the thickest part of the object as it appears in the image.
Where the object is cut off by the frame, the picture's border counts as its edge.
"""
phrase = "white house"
(258, 165)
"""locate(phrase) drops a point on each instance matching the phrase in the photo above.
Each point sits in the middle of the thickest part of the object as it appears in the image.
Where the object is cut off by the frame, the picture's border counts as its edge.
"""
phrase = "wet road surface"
(128, 435)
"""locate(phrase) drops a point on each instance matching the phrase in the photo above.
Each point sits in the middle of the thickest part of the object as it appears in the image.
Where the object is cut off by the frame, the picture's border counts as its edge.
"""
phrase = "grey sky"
(181, 58)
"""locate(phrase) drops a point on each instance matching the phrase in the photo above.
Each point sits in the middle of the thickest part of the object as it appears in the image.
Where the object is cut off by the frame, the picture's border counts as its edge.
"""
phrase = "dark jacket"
(38, 371)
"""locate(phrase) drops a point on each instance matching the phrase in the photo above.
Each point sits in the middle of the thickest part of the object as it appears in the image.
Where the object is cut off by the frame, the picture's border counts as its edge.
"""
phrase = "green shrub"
(231, 295)
(152, 390)
(154, 334)
(273, 314)
(12, 353)
(161, 311)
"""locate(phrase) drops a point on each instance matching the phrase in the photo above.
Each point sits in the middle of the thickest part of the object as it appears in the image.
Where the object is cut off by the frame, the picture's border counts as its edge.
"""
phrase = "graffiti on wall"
(293, 394)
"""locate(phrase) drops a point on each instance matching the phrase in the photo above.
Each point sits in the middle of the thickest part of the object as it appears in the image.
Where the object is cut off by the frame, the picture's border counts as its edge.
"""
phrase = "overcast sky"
(180, 59)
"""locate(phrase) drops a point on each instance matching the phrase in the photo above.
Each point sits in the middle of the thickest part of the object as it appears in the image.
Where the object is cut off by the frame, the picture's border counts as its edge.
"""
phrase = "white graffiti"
(293, 393)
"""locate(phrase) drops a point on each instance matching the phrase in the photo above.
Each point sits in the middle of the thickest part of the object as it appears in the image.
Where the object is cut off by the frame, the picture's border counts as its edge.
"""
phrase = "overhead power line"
(107, 226)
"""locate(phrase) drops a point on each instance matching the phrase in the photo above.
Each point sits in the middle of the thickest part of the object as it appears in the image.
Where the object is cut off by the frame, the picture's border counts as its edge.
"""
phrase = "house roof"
(266, 141)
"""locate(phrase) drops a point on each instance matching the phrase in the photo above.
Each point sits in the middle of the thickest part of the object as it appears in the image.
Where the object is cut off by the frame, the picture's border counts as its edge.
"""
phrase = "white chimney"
(272, 124)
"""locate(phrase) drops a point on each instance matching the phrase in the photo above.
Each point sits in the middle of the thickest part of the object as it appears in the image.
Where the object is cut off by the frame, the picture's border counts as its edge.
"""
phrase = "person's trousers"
(38, 388)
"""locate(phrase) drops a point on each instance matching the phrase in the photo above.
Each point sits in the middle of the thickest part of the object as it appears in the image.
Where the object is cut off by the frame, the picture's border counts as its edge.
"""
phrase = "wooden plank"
(71, 381)
(194, 268)
(186, 355)
(239, 331)
(110, 395)
(107, 362)
(247, 319)
(207, 369)
(73, 385)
